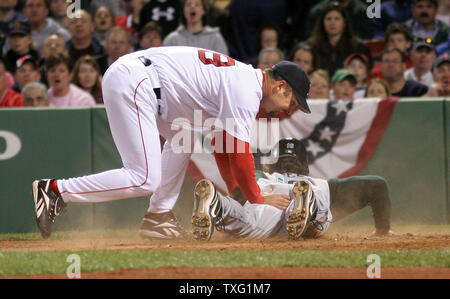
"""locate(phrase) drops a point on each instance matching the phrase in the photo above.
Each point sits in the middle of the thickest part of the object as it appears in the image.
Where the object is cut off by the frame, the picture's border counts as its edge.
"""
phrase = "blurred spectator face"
(269, 38)
(27, 73)
(103, 20)
(53, 44)
(304, 59)
(268, 59)
(423, 58)
(150, 39)
(344, 90)
(20, 43)
(399, 41)
(334, 23)
(117, 45)
(59, 77)
(81, 26)
(320, 88)
(88, 76)
(441, 75)
(8, 4)
(392, 65)
(376, 90)
(35, 98)
(35, 11)
(193, 11)
(59, 8)
(359, 68)
(424, 12)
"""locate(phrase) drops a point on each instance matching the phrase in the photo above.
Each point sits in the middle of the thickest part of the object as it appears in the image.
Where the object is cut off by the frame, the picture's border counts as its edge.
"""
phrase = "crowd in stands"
(54, 53)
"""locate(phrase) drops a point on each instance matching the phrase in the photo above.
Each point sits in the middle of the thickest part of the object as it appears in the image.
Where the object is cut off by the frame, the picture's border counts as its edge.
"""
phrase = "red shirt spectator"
(11, 99)
(8, 97)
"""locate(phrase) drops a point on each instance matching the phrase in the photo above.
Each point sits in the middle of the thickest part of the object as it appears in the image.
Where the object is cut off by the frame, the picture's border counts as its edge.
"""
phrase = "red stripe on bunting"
(374, 135)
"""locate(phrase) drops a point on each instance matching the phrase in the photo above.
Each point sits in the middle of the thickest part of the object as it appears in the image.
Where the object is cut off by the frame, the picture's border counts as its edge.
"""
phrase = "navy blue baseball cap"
(297, 78)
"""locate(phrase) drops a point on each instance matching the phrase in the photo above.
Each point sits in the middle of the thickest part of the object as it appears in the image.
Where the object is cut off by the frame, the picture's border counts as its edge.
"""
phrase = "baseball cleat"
(164, 227)
(207, 210)
(47, 205)
(300, 211)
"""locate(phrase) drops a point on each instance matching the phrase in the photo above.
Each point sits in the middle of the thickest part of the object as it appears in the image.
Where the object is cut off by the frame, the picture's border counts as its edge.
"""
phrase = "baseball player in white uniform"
(312, 201)
(162, 91)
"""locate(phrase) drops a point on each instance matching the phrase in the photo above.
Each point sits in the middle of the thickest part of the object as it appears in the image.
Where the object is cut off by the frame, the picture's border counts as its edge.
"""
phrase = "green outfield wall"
(413, 156)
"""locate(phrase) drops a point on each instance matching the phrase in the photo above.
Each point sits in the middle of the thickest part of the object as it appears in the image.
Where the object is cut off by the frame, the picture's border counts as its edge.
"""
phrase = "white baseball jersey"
(210, 83)
(146, 93)
(262, 221)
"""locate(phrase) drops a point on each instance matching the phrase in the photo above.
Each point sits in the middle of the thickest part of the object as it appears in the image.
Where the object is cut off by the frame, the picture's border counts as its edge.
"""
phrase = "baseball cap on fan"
(297, 78)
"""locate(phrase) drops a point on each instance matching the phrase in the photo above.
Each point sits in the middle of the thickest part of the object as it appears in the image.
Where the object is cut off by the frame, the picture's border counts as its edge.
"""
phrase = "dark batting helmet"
(289, 155)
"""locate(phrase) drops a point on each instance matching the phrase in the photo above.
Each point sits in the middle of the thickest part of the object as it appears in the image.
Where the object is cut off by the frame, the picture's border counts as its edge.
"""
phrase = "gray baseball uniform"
(262, 221)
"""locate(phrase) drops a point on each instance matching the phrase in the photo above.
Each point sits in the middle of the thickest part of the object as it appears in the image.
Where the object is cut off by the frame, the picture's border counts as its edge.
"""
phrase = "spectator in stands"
(441, 75)
(150, 36)
(192, 31)
(86, 75)
(268, 57)
(358, 64)
(397, 36)
(247, 17)
(54, 43)
(393, 68)
(131, 21)
(62, 93)
(117, 7)
(20, 41)
(268, 37)
(36, 12)
(343, 84)
(83, 41)
(355, 9)
(424, 24)
(320, 85)
(35, 94)
(103, 21)
(392, 11)
(302, 55)
(166, 13)
(443, 13)
(377, 88)
(118, 43)
(9, 16)
(423, 55)
(27, 71)
(8, 97)
(58, 9)
(333, 39)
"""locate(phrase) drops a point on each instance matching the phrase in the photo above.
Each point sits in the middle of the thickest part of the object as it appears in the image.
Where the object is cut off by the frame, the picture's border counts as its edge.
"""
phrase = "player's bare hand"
(280, 201)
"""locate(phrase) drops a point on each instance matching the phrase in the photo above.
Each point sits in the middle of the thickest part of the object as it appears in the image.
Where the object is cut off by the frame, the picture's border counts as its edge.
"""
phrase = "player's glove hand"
(280, 201)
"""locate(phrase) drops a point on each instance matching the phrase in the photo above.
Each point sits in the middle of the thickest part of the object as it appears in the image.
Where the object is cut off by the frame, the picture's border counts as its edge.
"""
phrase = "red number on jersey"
(209, 57)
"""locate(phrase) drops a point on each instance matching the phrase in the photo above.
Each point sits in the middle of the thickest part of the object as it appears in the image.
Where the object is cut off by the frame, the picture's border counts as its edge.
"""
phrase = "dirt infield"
(352, 242)
(330, 242)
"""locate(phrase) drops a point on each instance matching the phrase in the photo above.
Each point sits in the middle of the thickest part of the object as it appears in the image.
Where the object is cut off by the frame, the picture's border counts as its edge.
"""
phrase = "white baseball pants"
(132, 107)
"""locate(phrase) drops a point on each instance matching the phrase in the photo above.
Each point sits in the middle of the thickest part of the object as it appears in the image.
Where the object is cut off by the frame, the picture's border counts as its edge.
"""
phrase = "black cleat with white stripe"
(47, 205)
(164, 227)
(207, 211)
